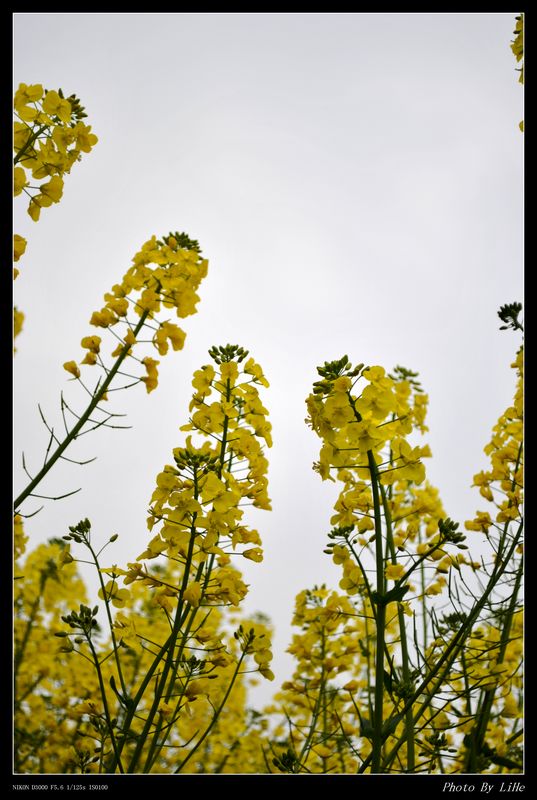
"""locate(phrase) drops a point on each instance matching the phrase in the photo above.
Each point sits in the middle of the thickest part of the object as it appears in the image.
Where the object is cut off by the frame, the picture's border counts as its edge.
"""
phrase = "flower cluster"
(199, 501)
(365, 440)
(352, 424)
(49, 136)
(364, 437)
(502, 485)
(165, 274)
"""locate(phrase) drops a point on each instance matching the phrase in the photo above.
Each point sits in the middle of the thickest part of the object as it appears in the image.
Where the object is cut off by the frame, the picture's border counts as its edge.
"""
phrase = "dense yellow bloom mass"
(45, 686)
(185, 585)
(415, 667)
(173, 617)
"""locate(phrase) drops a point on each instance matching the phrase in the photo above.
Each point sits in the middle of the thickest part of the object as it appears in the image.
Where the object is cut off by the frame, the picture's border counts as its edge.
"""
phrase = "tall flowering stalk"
(365, 442)
(165, 275)
(187, 574)
(417, 669)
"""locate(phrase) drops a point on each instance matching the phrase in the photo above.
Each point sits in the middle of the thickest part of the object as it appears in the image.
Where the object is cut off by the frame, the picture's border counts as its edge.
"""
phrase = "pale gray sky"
(356, 183)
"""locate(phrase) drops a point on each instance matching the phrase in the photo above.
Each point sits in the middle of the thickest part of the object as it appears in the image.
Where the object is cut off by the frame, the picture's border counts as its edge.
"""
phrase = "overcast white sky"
(356, 183)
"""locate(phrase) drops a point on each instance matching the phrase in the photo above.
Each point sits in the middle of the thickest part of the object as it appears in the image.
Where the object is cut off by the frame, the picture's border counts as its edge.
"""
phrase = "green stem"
(110, 623)
(139, 694)
(378, 718)
(156, 747)
(167, 647)
(423, 606)
(161, 684)
(467, 691)
(29, 142)
(215, 717)
(323, 758)
(225, 428)
(381, 608)
(73, 433)
(105, 702)
(171, 665)
(316, 709)
(409, 723)
(368, 663)
(180, 618)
